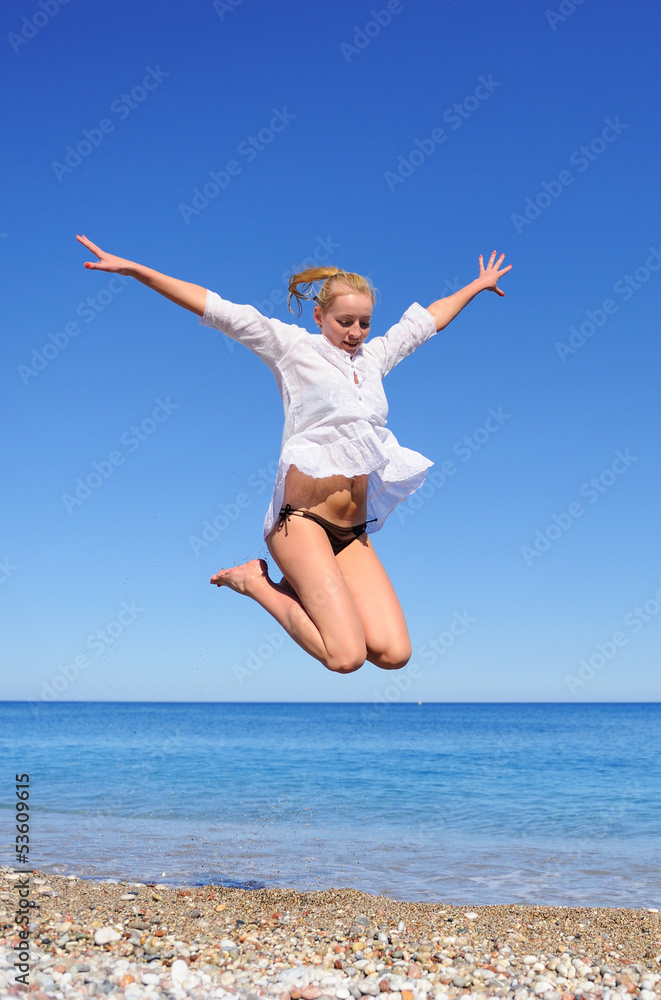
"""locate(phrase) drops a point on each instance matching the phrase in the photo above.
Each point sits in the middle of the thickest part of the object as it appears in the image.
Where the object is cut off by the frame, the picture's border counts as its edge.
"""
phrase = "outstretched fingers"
(493, 271)
(90, 246)
(97, 251)
(106, 261)
(492, 263)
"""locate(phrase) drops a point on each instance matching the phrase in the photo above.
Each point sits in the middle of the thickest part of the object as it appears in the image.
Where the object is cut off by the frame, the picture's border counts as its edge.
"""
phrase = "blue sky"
(399, 141)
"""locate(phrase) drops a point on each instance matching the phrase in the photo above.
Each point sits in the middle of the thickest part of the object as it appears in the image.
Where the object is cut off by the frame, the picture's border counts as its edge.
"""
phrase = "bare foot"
(242, 578)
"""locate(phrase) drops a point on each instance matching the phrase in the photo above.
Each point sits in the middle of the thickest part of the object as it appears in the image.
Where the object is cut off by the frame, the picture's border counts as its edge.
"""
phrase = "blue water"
(549, 804)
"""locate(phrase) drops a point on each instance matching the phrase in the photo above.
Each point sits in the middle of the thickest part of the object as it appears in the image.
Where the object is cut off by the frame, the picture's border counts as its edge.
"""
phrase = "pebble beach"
(136, 940)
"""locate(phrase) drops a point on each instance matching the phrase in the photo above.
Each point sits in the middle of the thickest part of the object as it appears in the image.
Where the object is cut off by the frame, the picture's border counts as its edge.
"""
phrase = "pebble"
(179, 971)
(106, 935)
(229, 944)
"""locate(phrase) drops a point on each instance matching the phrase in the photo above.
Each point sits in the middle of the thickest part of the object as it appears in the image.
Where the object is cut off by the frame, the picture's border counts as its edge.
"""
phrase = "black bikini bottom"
(338, 536)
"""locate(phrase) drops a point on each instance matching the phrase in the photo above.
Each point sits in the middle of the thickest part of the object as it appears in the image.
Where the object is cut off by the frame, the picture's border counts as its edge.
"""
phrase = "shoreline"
(91, 938)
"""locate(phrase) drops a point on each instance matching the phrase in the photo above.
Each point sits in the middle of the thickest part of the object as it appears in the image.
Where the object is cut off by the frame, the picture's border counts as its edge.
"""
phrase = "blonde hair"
(335, 281)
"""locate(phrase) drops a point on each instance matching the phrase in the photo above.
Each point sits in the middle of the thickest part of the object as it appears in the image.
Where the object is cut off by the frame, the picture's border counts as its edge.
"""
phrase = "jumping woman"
(341, 471)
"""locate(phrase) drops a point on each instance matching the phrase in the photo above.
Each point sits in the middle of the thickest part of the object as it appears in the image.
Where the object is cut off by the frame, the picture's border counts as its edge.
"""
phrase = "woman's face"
(346, 322)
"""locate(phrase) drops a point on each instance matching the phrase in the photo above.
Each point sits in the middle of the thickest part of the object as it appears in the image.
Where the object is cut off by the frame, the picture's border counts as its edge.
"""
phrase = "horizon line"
(392, 704)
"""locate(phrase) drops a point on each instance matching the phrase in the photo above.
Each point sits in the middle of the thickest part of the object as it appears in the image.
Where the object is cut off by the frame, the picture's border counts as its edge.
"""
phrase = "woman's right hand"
(106, 261)
(183, 293)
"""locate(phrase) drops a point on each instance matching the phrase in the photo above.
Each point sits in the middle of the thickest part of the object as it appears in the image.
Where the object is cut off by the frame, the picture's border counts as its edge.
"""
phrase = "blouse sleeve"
(414, 328)
(268, 338)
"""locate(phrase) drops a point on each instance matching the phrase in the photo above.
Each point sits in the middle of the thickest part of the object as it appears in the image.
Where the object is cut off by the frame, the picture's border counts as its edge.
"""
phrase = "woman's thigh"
(384, 625)
(303, 553)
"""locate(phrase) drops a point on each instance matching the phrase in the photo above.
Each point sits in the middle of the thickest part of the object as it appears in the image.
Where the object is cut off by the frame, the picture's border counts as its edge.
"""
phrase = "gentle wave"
(468, 803)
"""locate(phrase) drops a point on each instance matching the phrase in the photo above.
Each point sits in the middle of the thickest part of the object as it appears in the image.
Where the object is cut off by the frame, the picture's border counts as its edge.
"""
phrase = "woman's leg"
(384, 626)
(320, 613)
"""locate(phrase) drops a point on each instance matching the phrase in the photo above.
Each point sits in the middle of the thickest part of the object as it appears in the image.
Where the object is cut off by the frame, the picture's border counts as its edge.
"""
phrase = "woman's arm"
(183, 293)
(443, 311)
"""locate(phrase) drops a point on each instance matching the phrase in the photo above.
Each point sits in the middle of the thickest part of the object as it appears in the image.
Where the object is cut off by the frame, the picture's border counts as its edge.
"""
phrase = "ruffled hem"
(394, 472)
(384, 496)
(319, 456)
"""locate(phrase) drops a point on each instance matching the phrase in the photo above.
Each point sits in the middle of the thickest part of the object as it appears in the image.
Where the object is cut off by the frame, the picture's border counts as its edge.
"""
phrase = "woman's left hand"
(490, 274)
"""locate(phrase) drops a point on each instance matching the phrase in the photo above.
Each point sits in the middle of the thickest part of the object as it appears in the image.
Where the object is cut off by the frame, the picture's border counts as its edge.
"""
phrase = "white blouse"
(334, 425)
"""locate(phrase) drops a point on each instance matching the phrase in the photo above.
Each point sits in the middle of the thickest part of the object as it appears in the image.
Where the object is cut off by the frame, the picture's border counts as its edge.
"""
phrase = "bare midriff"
(337, 498)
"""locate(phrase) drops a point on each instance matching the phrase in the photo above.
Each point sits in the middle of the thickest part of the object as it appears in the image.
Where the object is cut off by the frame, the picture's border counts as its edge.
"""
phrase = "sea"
(550, 804)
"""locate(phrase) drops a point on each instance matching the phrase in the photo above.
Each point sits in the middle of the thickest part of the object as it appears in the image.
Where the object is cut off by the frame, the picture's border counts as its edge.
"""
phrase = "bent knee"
(393, 659)
(346, 664)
